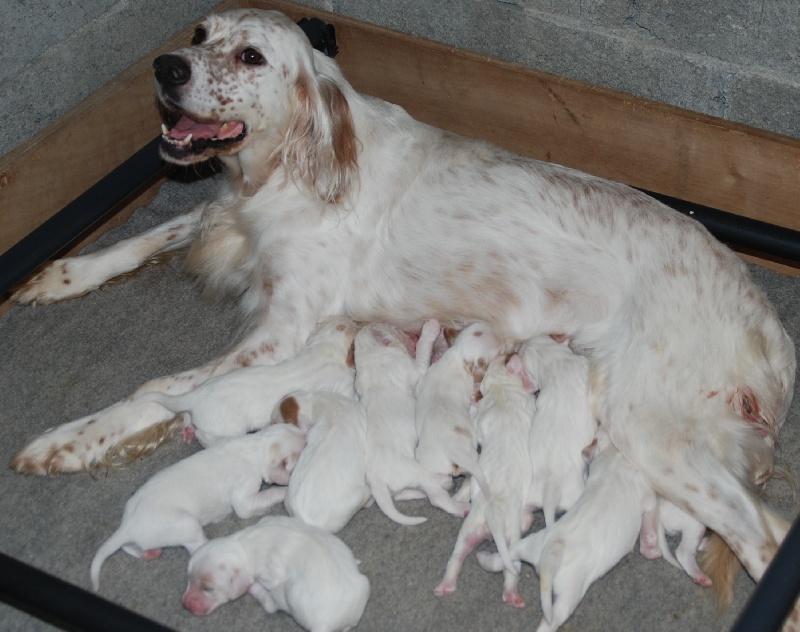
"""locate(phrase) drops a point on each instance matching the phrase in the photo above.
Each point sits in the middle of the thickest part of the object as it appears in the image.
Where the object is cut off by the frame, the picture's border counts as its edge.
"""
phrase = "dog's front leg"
(75, 276)
(131, 428)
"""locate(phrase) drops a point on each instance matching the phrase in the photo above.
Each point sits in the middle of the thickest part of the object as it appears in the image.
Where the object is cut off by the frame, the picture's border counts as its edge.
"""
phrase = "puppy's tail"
(106, 550)
(382, 496)
(495, 524)
(548, 563)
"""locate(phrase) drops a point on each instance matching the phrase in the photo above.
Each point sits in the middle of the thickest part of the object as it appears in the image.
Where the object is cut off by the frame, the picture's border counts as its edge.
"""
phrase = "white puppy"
(241, 401)
(386, 375)
(669, 518)
(171, 508)
(286, 565)
(505, 414)
(448, 441)
(328, 484)
(587, 541)
(563, 425)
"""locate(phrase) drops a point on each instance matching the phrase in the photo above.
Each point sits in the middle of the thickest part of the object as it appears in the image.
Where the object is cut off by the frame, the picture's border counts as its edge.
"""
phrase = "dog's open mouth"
(189, 140)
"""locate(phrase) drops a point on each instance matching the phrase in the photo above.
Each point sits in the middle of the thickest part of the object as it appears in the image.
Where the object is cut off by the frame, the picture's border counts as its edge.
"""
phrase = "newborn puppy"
(386, 375)
(328, 484)
(171, 508)
(669, 518)
(563, 425)
(504, 417)
(241, 401)
(588, 540)
(286, 565)
(448, 442)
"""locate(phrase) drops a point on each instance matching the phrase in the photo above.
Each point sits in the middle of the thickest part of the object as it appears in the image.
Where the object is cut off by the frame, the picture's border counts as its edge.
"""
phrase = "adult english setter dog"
(337, 203)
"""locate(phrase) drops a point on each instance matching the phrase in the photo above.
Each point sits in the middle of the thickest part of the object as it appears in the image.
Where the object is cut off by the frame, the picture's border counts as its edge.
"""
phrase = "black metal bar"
(97, 203)
(63, 605)
(777, 591)
(736, 230)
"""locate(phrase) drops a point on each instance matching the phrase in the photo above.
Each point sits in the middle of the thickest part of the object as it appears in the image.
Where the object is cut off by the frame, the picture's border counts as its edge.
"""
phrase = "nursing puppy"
(588, 540)
(563, 425)
(448, 440)
(328, 484)
(505, 414)
(242, 401)
(171, 508)
(286, 565)
(386, 374)
(665, 519)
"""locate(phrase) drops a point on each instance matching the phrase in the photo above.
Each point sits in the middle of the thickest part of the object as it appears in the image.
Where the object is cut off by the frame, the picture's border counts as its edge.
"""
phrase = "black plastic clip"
(322, 36)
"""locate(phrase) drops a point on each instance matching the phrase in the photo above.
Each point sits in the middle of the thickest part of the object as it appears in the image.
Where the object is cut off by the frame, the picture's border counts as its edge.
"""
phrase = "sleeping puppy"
(171, 508)
(328, 484)
(588, 540)
(448, 441)
(241, 401)
(386, 375)
(504, 418)
(286, 565)
(563, 425)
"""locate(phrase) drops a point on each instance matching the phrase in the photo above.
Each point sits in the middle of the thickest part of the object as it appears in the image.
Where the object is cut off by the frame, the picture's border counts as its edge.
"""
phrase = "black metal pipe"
(97, 203)
(777, 591)
(63, 605)
(739, 231)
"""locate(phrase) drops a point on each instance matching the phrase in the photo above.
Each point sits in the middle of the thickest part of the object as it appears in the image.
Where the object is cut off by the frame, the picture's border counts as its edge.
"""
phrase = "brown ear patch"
(290, 411)
(450, 334)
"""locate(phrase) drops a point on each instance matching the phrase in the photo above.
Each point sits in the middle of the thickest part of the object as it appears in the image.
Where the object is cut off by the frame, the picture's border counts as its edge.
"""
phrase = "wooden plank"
(650, 145)
(665, 149)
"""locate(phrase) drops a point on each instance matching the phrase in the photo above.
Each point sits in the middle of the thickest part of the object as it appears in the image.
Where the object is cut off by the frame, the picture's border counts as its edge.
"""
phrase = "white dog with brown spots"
(338, 203)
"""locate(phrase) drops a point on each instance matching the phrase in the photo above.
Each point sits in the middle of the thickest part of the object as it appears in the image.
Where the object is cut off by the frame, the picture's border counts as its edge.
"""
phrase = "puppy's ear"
(239, 584)
(320, 144)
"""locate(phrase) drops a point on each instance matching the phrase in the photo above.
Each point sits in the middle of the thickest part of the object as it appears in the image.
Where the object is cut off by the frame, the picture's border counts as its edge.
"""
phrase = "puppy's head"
(218, 574)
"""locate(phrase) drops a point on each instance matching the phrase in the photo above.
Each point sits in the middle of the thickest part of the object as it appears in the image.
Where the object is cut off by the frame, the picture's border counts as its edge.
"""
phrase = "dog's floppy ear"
(320, 144)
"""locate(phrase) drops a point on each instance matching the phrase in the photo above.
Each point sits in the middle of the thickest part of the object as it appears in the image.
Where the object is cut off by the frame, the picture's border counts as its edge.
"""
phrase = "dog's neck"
(249, 169)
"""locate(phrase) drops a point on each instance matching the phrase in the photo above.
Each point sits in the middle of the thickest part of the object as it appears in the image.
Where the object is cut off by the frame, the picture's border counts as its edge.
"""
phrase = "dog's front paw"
(55, 282)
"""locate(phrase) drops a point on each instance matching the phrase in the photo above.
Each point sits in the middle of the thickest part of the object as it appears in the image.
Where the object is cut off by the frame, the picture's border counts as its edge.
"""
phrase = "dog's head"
(217, 574)
(251, 87)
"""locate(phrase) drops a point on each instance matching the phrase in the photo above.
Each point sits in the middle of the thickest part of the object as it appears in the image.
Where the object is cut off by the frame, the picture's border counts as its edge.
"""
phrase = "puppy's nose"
(171, 70)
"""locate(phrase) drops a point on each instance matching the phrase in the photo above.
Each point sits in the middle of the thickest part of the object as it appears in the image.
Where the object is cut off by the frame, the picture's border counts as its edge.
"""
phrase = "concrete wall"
(737, 59)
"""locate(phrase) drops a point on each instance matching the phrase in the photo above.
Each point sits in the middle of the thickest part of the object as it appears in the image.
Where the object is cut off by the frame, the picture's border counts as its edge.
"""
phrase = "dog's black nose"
(171, 70)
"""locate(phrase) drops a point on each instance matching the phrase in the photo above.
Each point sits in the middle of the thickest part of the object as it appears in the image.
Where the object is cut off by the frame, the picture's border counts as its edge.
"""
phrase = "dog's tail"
(382, 496)
(106, 550)
(720, 563)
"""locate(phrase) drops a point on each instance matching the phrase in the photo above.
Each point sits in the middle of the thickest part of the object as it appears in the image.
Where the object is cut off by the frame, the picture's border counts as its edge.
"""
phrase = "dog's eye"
(199, 36)
(251, 57)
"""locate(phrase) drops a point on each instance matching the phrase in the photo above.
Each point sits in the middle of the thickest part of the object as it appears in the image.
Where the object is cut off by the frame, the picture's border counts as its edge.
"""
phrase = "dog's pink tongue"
(186, 126)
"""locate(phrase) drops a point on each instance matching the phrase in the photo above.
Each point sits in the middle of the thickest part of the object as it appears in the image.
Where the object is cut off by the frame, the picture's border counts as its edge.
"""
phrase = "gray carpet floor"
(63, 361)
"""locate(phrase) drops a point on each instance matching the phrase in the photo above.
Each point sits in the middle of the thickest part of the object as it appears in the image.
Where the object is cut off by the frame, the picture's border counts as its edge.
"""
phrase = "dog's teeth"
(187, 140)
(164, 130)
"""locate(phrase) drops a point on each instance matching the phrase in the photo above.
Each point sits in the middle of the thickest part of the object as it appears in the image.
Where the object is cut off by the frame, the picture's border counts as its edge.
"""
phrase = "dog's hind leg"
(75, 276)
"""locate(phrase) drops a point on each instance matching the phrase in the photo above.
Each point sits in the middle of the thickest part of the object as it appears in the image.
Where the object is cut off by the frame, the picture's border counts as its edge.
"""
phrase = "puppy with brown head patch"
(171, 508)
(448, 438)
